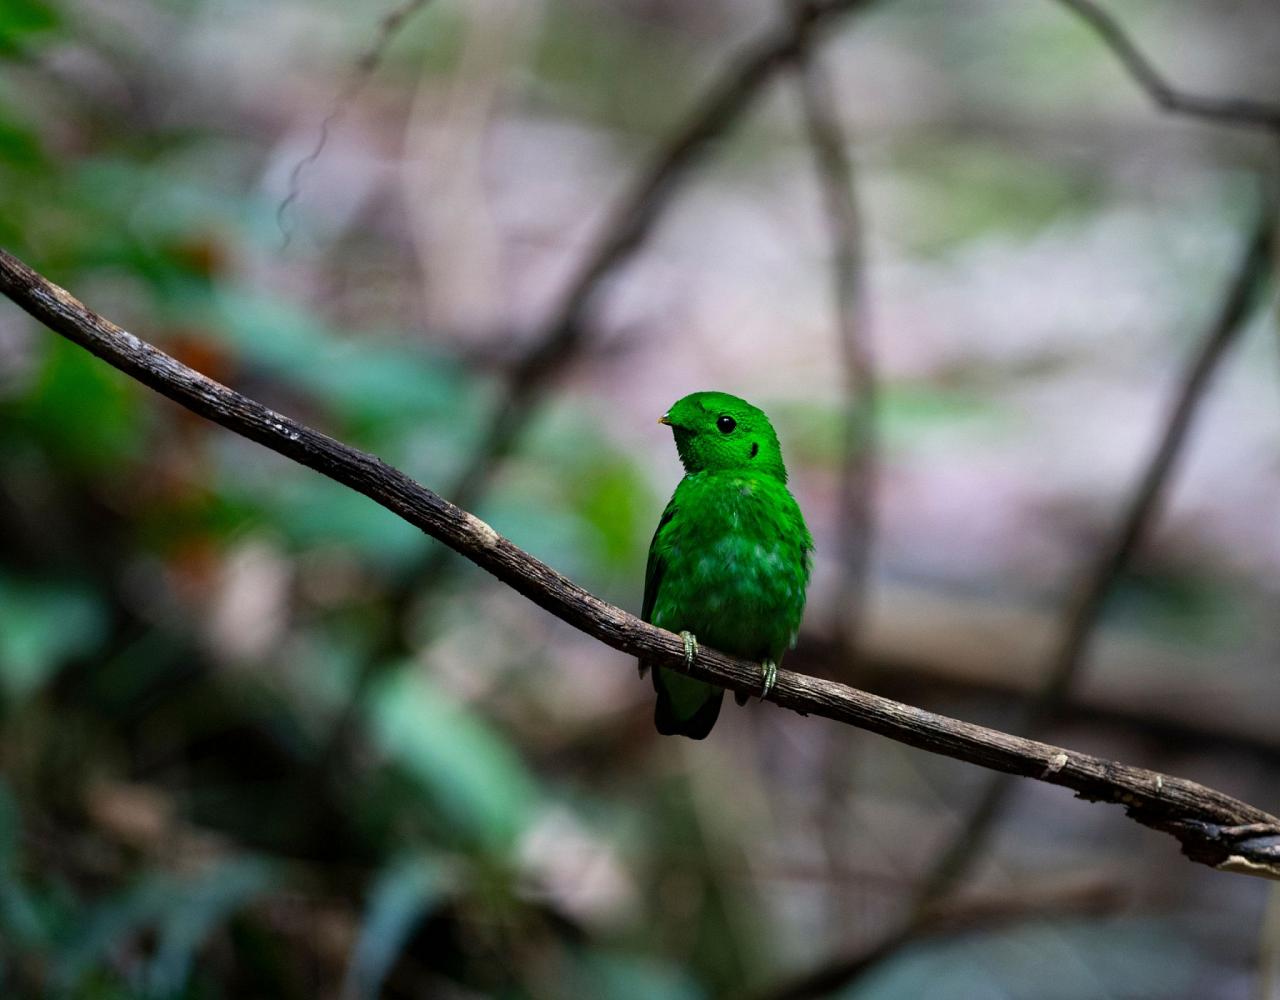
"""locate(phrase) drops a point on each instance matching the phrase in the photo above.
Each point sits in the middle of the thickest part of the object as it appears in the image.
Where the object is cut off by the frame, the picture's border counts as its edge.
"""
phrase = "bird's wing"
(654, 571)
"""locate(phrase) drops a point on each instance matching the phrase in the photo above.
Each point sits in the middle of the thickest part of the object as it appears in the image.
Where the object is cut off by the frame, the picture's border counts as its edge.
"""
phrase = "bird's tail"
(686, 707)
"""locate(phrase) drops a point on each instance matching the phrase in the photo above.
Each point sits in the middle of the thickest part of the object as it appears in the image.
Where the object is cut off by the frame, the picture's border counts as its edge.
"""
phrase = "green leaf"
(10, 827)
(472, 775)
(104, 926)
(1178, 607)
(310, 510)
(909, 414)
(612, 497)
(575, 497)
(959, 193)
(41, 626)
(21, 19)
(19, 147)
(80, 409)
(365, 376)
(402, 895)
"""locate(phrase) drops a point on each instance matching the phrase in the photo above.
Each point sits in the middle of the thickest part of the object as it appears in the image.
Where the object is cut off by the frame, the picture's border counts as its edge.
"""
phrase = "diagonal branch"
(1224, 110)
(1212, 827)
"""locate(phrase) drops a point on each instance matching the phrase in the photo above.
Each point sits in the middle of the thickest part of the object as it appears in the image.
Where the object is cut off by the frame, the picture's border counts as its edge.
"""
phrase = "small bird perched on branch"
(730, 561)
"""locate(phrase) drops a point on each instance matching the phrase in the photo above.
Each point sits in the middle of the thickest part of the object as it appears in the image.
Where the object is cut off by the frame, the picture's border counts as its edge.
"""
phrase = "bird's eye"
(726, 424)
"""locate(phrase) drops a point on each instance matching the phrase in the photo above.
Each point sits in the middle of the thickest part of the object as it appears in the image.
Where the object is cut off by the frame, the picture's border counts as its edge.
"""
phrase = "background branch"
(365, 66)
(1213, 828)
(1086, 608)
(1223, 110)
(1084, 611)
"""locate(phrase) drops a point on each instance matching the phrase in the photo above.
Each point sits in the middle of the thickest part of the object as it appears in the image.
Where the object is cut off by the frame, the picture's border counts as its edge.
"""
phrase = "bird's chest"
(735, 576)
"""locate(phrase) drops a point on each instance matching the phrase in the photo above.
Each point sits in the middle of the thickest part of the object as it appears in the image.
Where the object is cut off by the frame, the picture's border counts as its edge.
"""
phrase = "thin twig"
(364, 67)
(859, 450)
(1212, 827)
(1222, 110)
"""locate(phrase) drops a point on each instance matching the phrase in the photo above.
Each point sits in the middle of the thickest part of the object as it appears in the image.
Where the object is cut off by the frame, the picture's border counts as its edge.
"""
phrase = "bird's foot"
(770, 671)
(690, 648)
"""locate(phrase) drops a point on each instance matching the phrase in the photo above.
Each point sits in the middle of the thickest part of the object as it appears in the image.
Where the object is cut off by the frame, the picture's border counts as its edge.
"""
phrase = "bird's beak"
(663, 420)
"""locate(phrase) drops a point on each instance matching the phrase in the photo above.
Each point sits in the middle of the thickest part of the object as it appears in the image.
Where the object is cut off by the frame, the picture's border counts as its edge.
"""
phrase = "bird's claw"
(770, 671)
(690, 648)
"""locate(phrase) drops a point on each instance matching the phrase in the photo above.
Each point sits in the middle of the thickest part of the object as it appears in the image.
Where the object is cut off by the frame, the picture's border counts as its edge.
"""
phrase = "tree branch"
(1224, 110)
(1213, 828)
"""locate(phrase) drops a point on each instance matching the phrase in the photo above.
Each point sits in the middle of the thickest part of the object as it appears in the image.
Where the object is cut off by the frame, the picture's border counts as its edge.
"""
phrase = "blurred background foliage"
(251, 747)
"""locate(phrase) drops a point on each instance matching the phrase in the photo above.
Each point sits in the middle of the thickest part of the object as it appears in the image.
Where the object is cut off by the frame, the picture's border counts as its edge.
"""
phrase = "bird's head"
(718, 432)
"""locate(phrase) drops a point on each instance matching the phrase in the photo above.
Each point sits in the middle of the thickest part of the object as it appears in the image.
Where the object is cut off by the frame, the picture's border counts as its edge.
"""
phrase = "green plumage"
(730, 560)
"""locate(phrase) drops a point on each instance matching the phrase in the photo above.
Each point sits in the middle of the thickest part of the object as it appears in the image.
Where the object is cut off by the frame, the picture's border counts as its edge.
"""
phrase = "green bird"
(730, 561)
